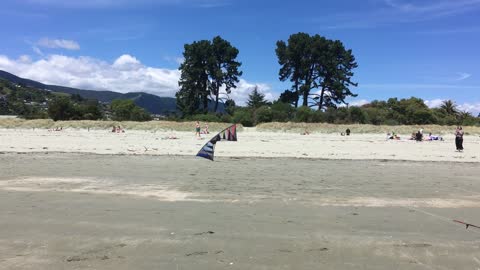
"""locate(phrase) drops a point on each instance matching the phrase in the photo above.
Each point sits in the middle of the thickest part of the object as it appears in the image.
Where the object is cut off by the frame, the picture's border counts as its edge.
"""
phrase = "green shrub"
(263, 115)
(282, 112)
(304, 114)
(209, 117)
(243, 117)
(318, 117)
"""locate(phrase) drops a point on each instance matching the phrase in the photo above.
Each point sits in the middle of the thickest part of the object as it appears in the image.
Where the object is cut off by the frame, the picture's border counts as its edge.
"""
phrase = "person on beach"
(205, 131)
(347, 132)
(459, 139)
(197, 129)
(419, 136)
(432, 137)
(392, 136)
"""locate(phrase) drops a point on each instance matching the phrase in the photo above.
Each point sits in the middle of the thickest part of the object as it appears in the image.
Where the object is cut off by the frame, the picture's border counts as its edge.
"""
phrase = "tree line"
(32, 103)
(320, 71)
(411, 111)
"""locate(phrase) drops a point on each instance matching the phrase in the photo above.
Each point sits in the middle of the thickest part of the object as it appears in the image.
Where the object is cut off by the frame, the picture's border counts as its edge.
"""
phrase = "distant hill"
(152, 103)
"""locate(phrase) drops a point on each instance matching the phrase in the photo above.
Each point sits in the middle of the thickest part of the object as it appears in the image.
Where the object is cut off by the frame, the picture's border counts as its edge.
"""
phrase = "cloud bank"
(124, 74)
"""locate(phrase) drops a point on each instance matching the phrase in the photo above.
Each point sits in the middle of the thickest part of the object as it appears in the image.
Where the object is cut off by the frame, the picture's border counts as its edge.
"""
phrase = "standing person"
(459, 139)
(197, 130)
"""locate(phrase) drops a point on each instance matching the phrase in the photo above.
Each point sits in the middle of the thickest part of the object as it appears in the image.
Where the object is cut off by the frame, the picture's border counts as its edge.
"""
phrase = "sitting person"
(392, 136)
(419, 136)
(347, 132)
(306, 132)
(205, 131)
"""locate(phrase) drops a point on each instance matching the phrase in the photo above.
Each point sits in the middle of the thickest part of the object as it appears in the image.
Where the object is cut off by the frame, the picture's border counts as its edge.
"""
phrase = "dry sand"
(251, 144)
(87, 211)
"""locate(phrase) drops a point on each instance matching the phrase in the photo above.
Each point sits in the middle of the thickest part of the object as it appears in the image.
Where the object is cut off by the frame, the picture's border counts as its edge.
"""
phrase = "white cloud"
(359, 102)
(244, 88)
(25, 59)
(58, 43)
(434, 103)
(125, 74)
(387, 12)
(127, 62)
(37, 50)
(177, 60)
(463, 76)
(473, 108)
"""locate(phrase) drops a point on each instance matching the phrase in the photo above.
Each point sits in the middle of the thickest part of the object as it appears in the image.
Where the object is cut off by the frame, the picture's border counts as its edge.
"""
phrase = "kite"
(228, 134)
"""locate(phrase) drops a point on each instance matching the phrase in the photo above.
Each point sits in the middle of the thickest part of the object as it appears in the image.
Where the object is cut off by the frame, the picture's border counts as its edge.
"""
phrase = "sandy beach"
(80, 199)
(86, 211)
(251, 144)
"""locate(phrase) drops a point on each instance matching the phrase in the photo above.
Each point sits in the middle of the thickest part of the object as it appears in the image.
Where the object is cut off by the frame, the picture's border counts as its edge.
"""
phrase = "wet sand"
(86, 211)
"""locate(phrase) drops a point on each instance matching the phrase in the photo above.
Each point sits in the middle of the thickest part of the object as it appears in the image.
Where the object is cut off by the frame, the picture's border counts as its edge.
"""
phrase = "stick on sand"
(466, 224)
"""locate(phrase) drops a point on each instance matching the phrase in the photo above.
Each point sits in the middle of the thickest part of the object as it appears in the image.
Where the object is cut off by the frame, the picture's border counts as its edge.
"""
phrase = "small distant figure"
(433, 137)
(205, 131)
(347, 132)
(306, 132)
(118, 129)
(392, 136)
(459, 139)
(114, 129)
(170, 137)
(197, 129)
(419, 136)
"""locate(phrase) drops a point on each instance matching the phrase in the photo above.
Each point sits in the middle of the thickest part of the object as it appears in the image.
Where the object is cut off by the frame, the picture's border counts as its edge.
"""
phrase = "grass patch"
(17, 123)
(361, 128)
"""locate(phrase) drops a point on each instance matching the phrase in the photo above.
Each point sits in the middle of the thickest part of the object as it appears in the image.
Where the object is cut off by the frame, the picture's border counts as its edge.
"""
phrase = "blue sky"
(404, 48)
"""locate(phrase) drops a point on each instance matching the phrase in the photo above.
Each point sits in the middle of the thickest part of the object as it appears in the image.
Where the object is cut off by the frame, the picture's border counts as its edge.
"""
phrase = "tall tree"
(314, 62)
(194, 80)
(449, 107)
(224, 68)
(256, 99)
(127, 110)
(208, 66)
(61, 108)
(335, 75)
(293, 58)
